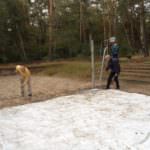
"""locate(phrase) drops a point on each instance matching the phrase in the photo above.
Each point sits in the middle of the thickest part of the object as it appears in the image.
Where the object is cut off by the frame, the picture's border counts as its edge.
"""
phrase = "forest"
(33, 30)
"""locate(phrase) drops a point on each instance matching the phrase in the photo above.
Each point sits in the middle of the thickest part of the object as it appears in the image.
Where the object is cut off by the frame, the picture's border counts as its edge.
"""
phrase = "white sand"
(92, 120)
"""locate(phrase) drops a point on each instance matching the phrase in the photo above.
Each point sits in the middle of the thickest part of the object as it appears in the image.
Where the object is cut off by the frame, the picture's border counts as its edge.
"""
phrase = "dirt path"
(43, 88)
(47, 87)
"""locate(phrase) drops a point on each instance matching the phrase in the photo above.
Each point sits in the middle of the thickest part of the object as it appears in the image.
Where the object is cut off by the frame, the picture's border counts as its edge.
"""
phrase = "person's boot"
(30, 95)
(107, 88)
(118, 88)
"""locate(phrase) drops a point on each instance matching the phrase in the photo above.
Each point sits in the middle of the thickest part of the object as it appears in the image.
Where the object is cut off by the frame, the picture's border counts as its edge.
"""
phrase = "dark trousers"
(115, 78)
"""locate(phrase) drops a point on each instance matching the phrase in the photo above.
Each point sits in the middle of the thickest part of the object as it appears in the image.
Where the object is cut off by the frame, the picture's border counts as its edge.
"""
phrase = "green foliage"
(24, 28)
(125, 50)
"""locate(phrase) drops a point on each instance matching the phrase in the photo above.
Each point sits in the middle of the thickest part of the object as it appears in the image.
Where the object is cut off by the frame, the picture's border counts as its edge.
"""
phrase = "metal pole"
(92, 61)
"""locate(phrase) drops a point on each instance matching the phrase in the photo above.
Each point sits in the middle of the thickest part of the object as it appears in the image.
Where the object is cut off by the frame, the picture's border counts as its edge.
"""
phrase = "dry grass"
(73, 70)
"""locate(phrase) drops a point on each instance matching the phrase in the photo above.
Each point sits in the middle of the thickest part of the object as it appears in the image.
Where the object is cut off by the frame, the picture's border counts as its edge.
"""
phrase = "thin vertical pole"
(92, 61)
(102, 65)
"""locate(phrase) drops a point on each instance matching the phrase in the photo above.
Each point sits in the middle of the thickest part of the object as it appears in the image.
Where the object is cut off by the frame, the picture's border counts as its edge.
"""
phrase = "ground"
(91, 120)
(45, 87)
(53, 79)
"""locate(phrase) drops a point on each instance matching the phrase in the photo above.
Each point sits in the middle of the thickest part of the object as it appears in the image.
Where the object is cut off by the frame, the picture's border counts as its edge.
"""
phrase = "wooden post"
(92, 61)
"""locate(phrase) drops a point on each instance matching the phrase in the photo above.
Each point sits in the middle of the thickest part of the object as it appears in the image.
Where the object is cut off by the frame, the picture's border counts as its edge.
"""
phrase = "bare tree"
(81, 20)
(50, 12)
(142, 28)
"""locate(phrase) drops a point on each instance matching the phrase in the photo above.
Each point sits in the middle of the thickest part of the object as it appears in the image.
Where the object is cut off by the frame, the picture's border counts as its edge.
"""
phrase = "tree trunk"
(127, 34)
(104, 24)
(110, 26)
(81, 21)
(115, 21)
(23, 54)
(109, 18)
(132, 30)
(104, 20)
(142, 29)
(50, 11)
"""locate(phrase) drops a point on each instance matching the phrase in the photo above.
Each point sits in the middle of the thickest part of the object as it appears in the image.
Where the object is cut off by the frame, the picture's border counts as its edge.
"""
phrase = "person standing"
(25, 79)
(114, 67)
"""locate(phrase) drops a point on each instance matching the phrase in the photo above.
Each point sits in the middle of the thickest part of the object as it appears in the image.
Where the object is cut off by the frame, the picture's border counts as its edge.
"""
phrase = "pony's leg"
(29, 87)
(22, 87)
